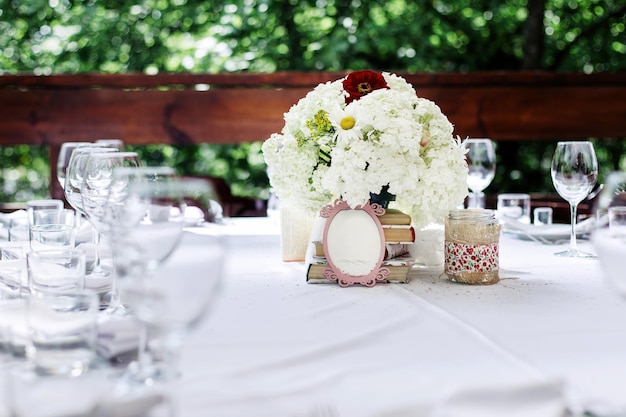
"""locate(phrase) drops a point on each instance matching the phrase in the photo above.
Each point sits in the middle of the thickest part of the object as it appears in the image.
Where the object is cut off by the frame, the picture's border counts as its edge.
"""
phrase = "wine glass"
(65, 153)
(74, 175)
(609, 235)
(171, 302)
(74, 180)
(64, 158)
(481, 163)
(63, 161)
(142, 235)
(574, 173)
(98, 176)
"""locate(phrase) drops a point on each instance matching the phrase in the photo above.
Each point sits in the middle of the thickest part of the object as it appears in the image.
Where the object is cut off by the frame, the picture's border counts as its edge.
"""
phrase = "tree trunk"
(534, 36)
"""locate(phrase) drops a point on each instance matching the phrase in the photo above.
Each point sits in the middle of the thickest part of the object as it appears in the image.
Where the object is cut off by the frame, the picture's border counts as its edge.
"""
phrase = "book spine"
(392, 250)
(398, 273)
(399, 234)
(395, 249)
(394, 217)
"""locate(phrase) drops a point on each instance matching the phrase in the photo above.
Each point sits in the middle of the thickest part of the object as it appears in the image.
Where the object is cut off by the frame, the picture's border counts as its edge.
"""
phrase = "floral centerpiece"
(363, 134)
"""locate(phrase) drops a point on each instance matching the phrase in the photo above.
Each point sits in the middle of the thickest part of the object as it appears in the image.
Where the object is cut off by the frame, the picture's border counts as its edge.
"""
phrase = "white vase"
(428, 249)
(295, 233)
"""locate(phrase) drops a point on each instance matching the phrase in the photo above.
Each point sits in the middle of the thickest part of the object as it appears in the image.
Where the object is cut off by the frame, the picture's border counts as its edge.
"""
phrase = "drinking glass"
(74, 182)
(131, 216)
(33, 206)
(65, 154)
(152, 218)
(174, 299)
(35, 395)
(120, 215)
(13, 278)
(54, 216)
(98, 175)
(574, 173)
(64, 158)
(13, 328)
(607, 238)
(114, 143)
(19, 229)
(51, 236)
(55, 271)
(62, 331)
(514, 207)
(74, 177)
(481, 163)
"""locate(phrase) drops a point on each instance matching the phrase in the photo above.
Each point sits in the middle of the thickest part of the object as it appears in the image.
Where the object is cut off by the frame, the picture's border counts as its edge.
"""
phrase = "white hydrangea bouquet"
(362, 134)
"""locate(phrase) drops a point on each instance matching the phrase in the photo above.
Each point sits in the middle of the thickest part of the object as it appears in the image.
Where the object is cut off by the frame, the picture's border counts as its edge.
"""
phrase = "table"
(277, 346)
(549, 336)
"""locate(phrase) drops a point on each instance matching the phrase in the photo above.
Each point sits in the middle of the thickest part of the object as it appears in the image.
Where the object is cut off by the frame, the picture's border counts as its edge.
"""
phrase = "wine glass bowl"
(98, 176)
(574, 173)
(481, 163)
(74, 178)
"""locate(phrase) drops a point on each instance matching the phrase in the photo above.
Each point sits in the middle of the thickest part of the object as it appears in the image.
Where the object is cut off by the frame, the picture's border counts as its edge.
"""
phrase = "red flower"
(359, 83)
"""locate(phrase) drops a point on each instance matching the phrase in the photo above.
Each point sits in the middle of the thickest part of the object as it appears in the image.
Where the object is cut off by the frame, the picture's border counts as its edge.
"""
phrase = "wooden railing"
(185, 109)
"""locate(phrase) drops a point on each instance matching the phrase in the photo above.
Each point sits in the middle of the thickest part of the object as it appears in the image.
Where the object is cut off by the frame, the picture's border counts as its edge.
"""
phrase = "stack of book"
(399, 236)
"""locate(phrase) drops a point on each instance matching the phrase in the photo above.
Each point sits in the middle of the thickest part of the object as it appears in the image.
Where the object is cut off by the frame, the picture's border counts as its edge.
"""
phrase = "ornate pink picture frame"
(354, 244)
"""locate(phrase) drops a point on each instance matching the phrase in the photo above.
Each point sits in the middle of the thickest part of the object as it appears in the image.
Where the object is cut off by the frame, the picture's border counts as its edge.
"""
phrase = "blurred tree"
(151, 36)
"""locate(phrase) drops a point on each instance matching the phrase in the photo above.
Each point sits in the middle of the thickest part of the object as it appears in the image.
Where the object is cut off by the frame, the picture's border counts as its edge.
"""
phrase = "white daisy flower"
(347, 123)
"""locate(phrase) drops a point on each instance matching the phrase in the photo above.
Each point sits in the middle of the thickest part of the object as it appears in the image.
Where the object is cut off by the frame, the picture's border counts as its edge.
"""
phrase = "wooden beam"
(249, 107)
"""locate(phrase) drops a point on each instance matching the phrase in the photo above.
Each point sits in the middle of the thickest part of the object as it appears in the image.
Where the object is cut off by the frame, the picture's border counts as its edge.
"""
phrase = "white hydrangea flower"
(388, 137)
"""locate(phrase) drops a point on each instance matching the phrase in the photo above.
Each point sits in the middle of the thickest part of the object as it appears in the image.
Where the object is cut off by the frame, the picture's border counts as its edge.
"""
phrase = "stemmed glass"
(74, 180)
(74, 174)
(574, 173)
(609, 235)
(64, 158)
(98, 176)
(481, 162)
(143, 234)
(172, 302)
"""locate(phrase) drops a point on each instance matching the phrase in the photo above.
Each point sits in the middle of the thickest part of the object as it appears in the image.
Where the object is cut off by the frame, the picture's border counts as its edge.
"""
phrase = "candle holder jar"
(472, 246)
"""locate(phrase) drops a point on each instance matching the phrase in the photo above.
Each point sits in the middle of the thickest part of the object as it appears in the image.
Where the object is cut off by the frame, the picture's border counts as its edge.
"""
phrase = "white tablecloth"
(550, 335)
(277, 346)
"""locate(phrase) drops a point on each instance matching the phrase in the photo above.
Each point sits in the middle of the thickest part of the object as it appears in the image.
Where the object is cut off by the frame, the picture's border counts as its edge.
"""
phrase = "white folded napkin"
(137, 404)
(84, 232)
(117, 335)
(5, 218)
(5, 221)
(536, 399)
(582, 227)
(94, 394)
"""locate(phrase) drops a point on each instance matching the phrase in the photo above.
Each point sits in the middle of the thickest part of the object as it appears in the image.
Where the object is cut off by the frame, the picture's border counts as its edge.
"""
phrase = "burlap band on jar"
(472, 252)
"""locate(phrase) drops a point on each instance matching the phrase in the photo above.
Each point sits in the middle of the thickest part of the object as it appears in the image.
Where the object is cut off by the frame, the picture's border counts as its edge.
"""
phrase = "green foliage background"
(115, 36)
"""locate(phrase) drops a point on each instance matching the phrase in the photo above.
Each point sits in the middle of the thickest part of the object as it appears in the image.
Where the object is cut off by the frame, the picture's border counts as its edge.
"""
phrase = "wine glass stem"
(159, 353)
(475, 200)
(144, 355)
(170, 354)
(115, 302)
(96, 250)
(572, 237)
